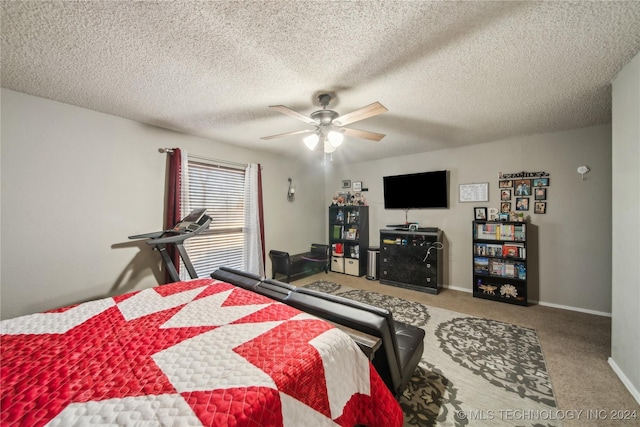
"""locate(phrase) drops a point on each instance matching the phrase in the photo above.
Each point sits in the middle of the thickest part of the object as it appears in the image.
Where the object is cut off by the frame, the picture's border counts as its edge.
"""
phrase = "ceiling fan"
(329, 126)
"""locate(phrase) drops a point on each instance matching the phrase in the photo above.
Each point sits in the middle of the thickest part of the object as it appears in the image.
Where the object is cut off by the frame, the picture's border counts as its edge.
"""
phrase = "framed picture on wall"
(540, 207)
(522, 187)
(505, 184)
(541, 182)
(475, 192)
(346, 183)
(540, 193)
(505, 195)
(505, 207)
(522, 203)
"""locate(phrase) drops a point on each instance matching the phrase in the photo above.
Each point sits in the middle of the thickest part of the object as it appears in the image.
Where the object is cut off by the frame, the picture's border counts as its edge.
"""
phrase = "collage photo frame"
(523, 192)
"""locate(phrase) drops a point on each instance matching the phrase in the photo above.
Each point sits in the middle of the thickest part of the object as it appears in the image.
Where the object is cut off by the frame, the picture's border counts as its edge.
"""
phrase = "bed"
(196, 353)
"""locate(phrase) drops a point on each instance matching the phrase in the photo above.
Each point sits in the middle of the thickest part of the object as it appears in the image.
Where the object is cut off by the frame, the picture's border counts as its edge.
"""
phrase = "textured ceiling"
(450, 73)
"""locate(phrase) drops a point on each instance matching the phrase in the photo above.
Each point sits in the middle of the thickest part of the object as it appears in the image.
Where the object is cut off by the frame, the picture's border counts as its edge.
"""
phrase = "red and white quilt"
(195, 353)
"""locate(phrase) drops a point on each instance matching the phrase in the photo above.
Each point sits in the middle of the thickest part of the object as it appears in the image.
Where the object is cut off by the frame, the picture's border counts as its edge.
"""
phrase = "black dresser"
(412, 259)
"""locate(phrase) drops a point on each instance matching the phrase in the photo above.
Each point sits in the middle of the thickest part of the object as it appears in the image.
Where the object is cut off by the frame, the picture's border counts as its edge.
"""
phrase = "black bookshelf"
(500, 261)
(349, 239)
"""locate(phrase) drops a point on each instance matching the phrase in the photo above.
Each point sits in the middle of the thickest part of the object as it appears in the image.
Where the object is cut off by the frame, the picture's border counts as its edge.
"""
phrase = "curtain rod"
(226, 162)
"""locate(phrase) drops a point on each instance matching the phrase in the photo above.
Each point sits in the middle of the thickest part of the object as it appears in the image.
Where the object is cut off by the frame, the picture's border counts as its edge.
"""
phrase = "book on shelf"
(512, 250)
(494, 249)
(480, 265)
(496, 267)
(485, 231)
(480, 249)
(491, 231)
(507, 268)
(337, 231)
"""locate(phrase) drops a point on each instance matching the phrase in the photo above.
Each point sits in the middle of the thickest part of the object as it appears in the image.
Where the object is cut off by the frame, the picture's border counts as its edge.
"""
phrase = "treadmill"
(191, 225)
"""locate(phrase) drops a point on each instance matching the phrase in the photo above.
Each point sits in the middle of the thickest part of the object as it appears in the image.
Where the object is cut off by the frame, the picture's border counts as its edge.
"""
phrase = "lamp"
(335, 138)
(330, 140)
(311, 141)
(328, 147)
(291, 196)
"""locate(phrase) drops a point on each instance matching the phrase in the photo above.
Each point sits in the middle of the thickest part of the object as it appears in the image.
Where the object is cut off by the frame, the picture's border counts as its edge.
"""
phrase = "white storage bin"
(352, 266)
(337, 264)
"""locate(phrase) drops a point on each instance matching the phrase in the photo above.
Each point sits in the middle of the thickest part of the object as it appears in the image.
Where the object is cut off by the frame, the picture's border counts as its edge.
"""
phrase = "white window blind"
(220, 190)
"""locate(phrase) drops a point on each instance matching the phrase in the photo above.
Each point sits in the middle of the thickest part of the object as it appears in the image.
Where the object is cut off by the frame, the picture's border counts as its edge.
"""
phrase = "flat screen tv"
(416, 191)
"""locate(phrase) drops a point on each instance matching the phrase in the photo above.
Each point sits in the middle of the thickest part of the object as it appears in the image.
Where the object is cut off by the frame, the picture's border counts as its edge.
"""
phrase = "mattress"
(194, 353)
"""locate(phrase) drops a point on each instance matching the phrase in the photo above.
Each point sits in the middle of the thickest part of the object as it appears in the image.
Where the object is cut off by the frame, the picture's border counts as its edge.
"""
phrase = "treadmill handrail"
(181, 236)
(152, 235)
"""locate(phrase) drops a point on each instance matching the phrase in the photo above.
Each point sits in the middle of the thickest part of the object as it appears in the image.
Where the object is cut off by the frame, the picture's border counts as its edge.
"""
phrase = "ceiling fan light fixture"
(328, 148)
(325, 120)
(335, 138)
(311, 141)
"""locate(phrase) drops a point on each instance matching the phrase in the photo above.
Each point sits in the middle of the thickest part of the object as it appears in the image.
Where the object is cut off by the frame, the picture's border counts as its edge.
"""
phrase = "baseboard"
(546, 304)
(568, 307)
(455, 288)
(634, 392)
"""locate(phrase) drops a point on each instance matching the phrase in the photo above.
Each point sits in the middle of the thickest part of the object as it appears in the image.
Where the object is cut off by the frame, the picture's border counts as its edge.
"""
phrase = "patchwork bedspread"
(195, 353)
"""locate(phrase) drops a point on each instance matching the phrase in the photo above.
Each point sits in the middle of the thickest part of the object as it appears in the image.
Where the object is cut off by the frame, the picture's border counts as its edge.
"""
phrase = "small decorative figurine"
(508, 291)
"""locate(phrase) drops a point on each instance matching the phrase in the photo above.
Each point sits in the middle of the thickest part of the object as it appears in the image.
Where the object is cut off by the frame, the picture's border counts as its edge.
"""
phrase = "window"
(219, 189)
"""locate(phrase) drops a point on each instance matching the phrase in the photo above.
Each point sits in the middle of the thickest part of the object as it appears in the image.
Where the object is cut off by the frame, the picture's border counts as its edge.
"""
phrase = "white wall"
(573, 238)
(625, 333)
(76, 183)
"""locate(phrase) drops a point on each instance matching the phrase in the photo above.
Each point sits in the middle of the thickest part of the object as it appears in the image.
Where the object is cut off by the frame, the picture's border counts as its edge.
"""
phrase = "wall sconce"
(582, 170)
(291, 193)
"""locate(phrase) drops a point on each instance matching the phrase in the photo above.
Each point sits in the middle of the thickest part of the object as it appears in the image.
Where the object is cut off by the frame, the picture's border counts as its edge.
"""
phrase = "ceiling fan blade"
(280, 135)
(357, 133)
(360, 114)
(289, 112)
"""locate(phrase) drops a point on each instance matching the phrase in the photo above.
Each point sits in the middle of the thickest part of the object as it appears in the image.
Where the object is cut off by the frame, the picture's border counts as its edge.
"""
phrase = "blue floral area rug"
(474, 371)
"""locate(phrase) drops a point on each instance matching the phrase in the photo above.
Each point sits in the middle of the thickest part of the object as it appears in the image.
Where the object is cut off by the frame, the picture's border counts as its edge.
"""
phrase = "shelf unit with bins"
(349, 239)
(500, 261)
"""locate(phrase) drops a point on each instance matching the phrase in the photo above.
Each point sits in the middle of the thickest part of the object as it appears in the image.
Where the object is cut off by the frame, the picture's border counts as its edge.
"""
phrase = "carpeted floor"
(478, 371)
(575, 346)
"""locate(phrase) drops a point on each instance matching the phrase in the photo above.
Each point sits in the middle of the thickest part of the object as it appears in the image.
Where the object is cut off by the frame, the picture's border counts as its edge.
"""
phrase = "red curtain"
(172, 211)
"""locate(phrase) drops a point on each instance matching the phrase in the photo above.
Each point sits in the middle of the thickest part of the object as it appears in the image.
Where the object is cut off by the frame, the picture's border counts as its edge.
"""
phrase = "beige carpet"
(575, 347)
(473, 371)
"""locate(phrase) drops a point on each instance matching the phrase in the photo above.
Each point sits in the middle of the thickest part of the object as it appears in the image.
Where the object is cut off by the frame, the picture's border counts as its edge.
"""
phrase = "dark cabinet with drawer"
(412, 259)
